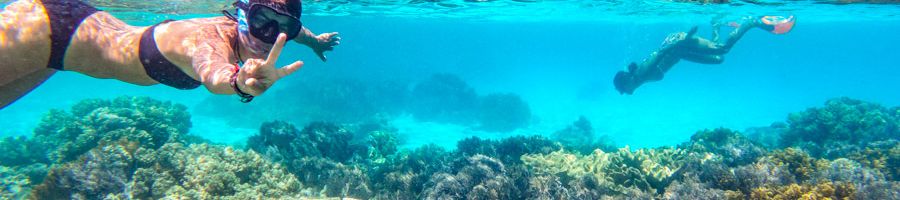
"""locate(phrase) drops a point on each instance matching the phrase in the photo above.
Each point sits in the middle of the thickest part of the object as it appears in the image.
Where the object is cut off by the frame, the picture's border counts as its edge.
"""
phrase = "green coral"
(150, 122)
(382, 144)
(842, 126)
(405, 174)
(18, 151)
(730, 146)
(508, 150)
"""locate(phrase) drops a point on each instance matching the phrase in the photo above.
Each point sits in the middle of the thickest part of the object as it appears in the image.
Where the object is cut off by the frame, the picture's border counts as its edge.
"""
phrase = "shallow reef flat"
(139, 148)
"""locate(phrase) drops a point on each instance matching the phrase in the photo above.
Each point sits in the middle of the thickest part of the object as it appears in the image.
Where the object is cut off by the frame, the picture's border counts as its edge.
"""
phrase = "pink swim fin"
(778, 24)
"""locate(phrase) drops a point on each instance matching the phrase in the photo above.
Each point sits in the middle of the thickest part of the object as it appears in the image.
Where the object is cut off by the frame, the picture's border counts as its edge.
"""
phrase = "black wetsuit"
(65, 17)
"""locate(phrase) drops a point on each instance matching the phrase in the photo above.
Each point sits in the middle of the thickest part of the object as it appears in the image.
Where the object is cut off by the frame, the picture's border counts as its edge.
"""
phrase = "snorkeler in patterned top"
(678, 46)
(227, 55)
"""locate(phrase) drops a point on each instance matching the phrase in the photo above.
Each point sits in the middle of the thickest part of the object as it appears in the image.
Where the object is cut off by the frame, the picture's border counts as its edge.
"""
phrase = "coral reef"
(18, 151)
(611, 173)
(282, 141)
(843, 126)
(503, 113)
(798, 162)
(883, 156)
(137, 148)
(405, 174)
(509, 149)
(149, 122)
(691, 188)
(331, 178)
(481, 177)
(444, 98)
(125, 170)
(730, 146)
(330, 158)
(826, 190)
(580, 137)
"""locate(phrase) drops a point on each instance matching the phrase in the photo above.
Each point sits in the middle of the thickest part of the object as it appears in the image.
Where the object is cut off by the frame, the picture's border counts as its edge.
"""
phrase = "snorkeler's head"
(261, 21)
(625, 82)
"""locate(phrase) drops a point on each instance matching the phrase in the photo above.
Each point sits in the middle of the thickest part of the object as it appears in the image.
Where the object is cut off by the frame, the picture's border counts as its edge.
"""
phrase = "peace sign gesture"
(258, 75)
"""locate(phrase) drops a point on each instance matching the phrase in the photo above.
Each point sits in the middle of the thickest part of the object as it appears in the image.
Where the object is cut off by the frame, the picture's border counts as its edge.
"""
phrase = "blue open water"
(558, 56)
(564, 67)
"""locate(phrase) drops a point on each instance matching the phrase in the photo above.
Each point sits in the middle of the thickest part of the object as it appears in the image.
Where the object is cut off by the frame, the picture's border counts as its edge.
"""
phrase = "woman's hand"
(258, 75)
(326, 42)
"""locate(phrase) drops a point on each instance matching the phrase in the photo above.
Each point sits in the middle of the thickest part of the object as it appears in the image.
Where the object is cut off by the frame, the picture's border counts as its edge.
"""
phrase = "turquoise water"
(563, 65)
(558, 56)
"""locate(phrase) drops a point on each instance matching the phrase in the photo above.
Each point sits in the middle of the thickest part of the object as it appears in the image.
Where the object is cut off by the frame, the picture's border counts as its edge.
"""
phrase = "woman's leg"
(16, 89)
(703, 58)
(24, 49)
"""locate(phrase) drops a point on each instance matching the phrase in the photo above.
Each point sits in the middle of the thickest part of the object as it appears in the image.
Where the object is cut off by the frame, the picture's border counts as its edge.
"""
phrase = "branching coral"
(799, 163)
(730, 146)
(330, 158)
(508, 150)
(150, 122)
(404, 174)
(18, 151)
(283, 141)
(124, 170)
(14, 184)
(883, 156)
(331, 178)
(842, 126)
(692, 188)
(481, 177)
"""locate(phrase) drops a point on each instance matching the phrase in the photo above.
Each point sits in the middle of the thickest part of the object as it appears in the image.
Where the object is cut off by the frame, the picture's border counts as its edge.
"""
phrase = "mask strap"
(229, 15)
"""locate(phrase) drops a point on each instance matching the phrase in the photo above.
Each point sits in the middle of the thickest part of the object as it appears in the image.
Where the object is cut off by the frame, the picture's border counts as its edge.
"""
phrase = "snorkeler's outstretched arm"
(255, 77)
(319, 43)
(210, 61)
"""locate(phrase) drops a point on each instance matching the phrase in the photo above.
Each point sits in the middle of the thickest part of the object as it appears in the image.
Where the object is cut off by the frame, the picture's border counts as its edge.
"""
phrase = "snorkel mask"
(264, 20)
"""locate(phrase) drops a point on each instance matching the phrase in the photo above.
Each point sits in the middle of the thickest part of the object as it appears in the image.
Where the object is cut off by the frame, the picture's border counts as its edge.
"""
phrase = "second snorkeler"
(678, 46)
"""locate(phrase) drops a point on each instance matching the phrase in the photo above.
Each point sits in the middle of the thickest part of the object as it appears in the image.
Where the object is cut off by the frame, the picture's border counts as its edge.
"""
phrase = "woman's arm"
(319, 43)
(213, 66)
(216, 71)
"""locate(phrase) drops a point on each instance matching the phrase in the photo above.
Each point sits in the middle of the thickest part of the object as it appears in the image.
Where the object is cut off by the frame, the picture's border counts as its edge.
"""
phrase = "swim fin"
(778, 24)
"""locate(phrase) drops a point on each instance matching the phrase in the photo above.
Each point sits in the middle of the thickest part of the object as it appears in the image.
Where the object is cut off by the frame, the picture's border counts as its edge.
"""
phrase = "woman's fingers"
(276, 50)
(289, 69)
(253, 84)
